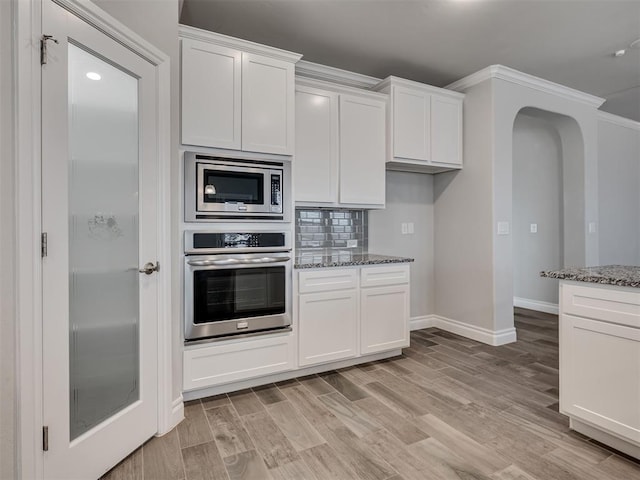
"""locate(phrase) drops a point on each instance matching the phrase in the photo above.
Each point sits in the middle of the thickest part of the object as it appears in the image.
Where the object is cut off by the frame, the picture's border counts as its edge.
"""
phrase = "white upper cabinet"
(446, 130)
(411, 112)
(211, 96)
(316, 157)
(236, 94)
(424, 126)
(340, 146)
(362, 158)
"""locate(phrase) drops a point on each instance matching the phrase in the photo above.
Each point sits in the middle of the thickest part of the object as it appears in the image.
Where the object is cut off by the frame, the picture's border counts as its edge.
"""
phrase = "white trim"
(480, 334)
(193, 33)
(484, 335)
(339, 88)
(26, 63)
(279, 377)
(27, 161)
(618, 120)
(536, 305)
(423, 87)
(524, 79)
(335, 75)
(418, 323)
(605, 437)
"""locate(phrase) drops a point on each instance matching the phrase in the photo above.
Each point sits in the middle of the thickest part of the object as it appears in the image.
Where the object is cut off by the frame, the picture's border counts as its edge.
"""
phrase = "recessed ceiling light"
(93, 76)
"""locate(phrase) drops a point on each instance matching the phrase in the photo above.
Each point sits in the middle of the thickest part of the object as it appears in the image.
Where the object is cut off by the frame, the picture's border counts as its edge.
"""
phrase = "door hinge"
(43, 47)
(43, 244)
(45, 439)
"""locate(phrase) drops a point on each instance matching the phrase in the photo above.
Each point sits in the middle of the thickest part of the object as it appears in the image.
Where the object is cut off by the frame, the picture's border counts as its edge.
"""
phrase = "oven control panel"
(205, 242)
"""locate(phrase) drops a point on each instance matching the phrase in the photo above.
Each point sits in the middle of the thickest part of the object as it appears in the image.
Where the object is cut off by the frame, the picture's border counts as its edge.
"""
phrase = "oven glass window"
(233, 187)
(238, 293)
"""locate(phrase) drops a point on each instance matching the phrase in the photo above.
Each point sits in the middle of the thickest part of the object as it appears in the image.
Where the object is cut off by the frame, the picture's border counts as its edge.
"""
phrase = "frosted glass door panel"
(103, 240)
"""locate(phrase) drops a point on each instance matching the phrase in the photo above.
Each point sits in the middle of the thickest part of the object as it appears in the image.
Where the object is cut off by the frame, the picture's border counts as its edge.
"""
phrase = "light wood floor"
(449, 408)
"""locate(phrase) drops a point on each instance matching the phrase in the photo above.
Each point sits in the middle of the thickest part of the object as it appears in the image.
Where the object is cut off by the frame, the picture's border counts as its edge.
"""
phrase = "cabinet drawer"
(600, 374)
(602, 303)
(388, 275)
(327, 280)
(219, 363)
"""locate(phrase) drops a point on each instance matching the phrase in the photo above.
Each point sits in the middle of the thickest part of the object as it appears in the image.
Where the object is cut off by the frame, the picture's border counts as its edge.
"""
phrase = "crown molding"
(335, 75)
(618, 120)
(422, 87)
(339, 88)
(193, 33)
(514, 76)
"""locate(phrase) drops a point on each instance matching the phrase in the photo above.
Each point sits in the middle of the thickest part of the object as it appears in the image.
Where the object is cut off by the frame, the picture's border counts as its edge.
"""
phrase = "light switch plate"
(404, 229)
(410, 228)
(503, 228)
(592, 227)
(534, 228)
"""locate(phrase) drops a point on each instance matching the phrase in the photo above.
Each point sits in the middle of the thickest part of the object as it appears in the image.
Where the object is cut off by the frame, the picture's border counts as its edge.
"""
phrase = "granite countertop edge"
(373, 260)
(618, 275)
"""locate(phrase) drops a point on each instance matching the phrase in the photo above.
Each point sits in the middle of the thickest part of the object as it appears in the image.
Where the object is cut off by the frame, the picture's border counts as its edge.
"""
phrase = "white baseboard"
(536, 305)
(177, 415)
(417, 323)
(484, 335)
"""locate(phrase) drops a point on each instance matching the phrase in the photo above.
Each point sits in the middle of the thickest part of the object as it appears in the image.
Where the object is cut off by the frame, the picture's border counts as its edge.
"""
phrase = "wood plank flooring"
(449, 408)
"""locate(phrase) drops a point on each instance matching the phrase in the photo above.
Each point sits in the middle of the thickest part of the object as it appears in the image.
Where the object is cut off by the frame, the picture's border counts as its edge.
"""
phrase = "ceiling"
(570, 42)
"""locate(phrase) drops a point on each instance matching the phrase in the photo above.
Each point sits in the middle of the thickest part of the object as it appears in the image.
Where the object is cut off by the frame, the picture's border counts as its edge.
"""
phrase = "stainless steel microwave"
(219, 188)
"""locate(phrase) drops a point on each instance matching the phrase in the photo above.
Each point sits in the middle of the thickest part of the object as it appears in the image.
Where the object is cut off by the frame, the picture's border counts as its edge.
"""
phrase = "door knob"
(149, 268)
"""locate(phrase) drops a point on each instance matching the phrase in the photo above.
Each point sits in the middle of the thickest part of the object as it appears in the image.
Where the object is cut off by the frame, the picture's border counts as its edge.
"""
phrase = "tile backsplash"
(320, 228)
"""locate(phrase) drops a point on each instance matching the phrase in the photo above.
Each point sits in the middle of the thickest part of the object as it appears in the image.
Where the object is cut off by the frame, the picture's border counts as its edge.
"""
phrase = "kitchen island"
(599, 346)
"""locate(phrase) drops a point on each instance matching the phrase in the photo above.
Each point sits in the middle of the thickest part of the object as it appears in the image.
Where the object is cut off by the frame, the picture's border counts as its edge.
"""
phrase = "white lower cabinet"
(600, 361)
(329, 330)
(384, 313)
(230, 361)
(349, 312)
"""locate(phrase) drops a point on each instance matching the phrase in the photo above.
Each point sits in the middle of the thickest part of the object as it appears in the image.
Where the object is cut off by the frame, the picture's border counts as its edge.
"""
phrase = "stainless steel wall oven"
(219, 188)
(236, 283)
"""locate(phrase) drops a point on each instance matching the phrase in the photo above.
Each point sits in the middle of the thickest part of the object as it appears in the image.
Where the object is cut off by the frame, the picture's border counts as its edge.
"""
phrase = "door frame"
(27, 21)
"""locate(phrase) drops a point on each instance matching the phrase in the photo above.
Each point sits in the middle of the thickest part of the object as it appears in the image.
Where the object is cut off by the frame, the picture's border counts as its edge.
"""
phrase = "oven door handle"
(208, 263)
(251, 261)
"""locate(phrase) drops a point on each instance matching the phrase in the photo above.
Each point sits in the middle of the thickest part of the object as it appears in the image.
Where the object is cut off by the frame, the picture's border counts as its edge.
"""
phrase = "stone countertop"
(621, 275)
(342, 258)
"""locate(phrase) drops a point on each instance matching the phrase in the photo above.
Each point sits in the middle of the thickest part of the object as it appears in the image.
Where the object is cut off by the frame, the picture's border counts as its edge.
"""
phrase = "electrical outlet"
(533, 228)
(592, 227)
(352, 243)
(410, 228)
(404, 228)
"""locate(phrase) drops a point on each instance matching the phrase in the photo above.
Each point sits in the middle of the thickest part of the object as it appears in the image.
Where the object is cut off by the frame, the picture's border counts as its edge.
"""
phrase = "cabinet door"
(362, 150)
(446, 130)
(267, 105)
(384, 318)
(327, 326)
(600, 375)
(315, 168)
(211, 83)
(411, 123)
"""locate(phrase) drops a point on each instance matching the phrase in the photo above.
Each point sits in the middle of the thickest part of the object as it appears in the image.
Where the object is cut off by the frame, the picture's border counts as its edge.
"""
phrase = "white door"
(362, 150)
(315, 169)
(99, 186)
(211, 98)
(267, 104)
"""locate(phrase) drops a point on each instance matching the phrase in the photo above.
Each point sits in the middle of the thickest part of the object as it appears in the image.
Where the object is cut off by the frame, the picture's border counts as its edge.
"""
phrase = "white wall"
(474, 265)
(409, 198)
(7, 248)
(464, 221)
(619, 190)
(157, 22)
(537, 199)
